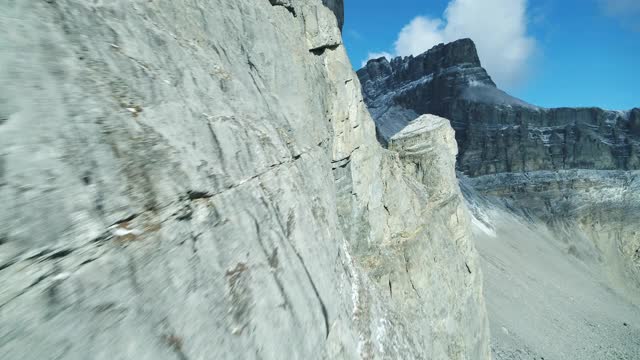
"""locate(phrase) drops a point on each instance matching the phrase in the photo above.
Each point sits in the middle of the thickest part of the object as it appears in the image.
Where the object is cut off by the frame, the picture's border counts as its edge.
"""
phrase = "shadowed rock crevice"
(285, 4)
(320, 50)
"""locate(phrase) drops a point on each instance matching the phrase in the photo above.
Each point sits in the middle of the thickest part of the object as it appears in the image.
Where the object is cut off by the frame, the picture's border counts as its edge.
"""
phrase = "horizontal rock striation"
(599, 205)
(553, 248)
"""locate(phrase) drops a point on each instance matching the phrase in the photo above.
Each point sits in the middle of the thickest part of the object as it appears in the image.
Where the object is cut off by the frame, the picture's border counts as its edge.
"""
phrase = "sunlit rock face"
(552, 191)
(201, 180)
(548, 159)
(495, 131)
(337, 6)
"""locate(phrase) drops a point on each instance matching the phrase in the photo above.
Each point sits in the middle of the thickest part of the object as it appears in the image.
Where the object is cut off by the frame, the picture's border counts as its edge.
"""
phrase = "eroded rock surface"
(185, 179)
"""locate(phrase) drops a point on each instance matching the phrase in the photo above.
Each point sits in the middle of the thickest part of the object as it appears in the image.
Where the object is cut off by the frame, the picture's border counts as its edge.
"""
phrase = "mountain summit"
(496, 132)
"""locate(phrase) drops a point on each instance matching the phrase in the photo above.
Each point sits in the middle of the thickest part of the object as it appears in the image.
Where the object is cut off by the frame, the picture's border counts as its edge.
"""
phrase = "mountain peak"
(458, 61)
(496, 132)
(395, 90)
(460, 53)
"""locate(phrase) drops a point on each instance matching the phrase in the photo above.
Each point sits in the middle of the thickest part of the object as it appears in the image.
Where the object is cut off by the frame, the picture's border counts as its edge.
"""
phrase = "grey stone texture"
(554, 195)
(187, 179)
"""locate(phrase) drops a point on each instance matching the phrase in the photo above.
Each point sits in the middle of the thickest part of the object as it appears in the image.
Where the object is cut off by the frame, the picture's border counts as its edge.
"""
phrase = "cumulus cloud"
(498, 27)
(419, 35)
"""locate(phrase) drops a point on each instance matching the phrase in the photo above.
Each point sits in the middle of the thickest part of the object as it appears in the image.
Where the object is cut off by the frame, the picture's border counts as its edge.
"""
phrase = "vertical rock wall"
(189, 179)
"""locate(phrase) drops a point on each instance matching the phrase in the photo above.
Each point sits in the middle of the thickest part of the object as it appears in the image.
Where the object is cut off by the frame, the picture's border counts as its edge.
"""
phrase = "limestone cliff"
(201, 180)
(515, 149)
(554, 198)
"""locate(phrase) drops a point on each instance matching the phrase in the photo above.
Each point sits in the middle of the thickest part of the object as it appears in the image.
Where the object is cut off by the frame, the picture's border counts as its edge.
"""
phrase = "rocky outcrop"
(516, 149)
(496, 132)
(191, 180)
(553, 191)
(337, 6)
(428, 148)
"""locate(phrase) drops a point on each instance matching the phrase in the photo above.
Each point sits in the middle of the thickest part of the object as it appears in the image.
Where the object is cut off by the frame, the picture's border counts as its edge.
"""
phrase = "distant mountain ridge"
(496, 132)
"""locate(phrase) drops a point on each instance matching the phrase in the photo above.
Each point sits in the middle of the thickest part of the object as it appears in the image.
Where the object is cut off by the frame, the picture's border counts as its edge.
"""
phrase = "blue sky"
(549, 53)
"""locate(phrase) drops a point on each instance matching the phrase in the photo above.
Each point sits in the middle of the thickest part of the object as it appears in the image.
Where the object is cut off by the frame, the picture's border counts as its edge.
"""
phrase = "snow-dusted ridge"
(496, 132)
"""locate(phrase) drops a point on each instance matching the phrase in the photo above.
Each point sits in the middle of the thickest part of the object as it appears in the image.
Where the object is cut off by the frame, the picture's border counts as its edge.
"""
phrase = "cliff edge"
(188, 180)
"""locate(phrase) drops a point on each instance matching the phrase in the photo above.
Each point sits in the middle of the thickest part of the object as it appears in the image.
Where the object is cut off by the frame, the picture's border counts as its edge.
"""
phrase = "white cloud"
(420, 35)
(376, 55)
(498, 27)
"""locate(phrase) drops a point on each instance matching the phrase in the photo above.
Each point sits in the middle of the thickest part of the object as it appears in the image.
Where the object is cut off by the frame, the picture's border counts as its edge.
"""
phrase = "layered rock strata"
(496, 132)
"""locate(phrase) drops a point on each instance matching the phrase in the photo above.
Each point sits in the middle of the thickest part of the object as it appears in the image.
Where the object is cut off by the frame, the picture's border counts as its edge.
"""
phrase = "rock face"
(496, 132)
(196, 180)
(337, 6)
(429, 149)
(553, 191)
(514, 148)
